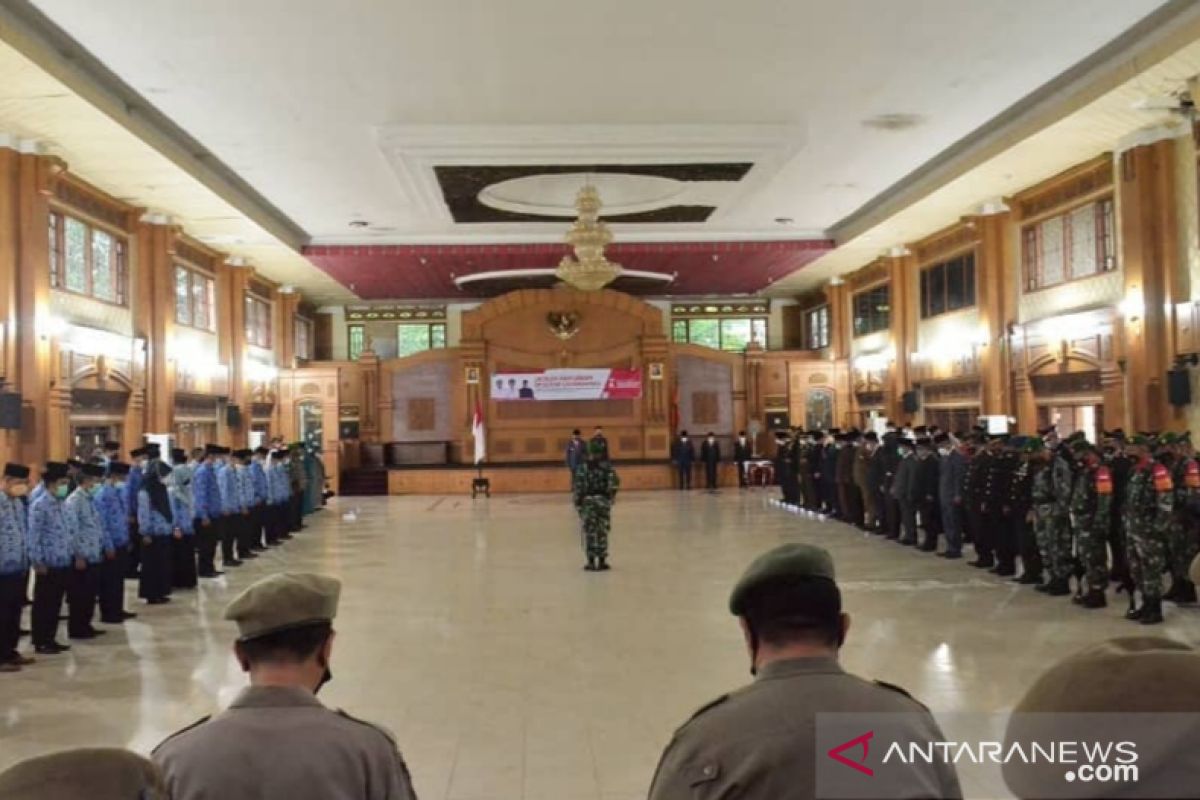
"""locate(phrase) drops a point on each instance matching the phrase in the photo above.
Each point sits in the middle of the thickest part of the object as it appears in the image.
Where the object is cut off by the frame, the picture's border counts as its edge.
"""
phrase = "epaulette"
(706, 707)
(195, 724)
(900, 690)
(386, 733)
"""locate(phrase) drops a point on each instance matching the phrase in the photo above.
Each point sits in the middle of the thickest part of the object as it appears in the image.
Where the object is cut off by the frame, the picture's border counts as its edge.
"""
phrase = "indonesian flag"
(477, 433)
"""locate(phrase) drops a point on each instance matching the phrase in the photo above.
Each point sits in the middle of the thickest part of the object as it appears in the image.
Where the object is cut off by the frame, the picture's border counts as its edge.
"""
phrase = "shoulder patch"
(900, 690)
(1104, 482)
(382, 730)
(1192, 474)
(193, 726)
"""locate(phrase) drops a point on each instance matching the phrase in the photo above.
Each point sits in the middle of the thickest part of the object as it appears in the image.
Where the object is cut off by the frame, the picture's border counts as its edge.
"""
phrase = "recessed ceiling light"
(784, 220)
(359, 223)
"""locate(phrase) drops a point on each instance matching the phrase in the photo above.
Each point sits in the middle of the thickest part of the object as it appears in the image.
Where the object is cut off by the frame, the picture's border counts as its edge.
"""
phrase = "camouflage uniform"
(1091, 504)
(1149, 499)
(1043, 509)
(595, 487)
(1058, 533)
(1181, 543)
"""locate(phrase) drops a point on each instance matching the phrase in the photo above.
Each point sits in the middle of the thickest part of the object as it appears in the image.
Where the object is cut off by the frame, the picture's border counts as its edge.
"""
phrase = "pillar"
(232, 331)
(993, 268)
(1148, 252)
(902, 330)
(154, 320)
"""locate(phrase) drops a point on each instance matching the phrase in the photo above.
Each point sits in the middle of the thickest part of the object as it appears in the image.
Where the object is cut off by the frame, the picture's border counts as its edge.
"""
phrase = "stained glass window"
(183, 292)
(194, 296)
(258, 321)
(86, 260)
(103, 255)
(357, 341)
(1076, 244)
(76, 260)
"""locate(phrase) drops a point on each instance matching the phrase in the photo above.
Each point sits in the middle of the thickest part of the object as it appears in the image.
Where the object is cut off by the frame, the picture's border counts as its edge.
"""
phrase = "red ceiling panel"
(390, 272)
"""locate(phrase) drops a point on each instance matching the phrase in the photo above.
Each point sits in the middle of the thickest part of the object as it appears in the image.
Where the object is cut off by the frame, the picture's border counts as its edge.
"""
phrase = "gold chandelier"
(589, 270)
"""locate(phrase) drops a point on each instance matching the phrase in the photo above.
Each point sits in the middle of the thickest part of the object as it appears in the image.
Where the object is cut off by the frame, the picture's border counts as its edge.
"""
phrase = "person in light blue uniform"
(279, 487)
(14, 564)
(90, 546)
(139, 458)
(156, 526)
(231, 507)
(247, 541)
(50, 554)
(183, 547)
(114, 518)
(258, 513)
(206, 511)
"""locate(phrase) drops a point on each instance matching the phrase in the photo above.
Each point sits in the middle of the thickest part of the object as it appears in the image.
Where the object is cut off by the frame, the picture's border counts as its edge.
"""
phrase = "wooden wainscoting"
(533, 479)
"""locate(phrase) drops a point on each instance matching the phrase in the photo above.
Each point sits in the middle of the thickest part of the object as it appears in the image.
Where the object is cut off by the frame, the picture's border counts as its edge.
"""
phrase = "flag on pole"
(477, 433)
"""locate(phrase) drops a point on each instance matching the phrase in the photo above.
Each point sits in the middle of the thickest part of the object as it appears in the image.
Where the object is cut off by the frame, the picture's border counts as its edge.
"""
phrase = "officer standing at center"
(277, 740)
(760, 741)
(594, 488)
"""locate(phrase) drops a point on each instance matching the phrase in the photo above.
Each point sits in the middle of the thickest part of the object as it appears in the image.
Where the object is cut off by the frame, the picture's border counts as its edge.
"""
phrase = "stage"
(524, 478)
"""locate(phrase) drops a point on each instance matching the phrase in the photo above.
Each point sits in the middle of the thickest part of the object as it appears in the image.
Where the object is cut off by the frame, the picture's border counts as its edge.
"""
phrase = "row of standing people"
(86, 528)
(1124, 511)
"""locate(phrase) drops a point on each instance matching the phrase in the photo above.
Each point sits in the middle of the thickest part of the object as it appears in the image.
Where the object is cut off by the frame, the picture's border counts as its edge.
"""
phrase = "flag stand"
(480, 483)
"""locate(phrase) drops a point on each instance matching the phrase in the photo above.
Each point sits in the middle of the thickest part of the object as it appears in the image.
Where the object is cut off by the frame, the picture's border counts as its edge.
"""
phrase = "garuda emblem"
(563, 324)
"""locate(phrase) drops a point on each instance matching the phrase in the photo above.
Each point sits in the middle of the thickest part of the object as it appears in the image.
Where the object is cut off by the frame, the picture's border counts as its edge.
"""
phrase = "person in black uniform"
(782, 465)
(829, 464)
(1020, 514)
(710, 454)
(684, 454)
(1004, 470)
(876, 472)
(890, 450)
(808, 464)
(742, 452)
(978, 469)
(928, 476)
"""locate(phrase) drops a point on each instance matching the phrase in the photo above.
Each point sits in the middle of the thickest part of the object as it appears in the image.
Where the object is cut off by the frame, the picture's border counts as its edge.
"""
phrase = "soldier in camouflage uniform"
(1149, 500)
(1182, 544)
(1020, 505)
(1056, 521)
(595, 488)
(1091, 504)
(1044, 520)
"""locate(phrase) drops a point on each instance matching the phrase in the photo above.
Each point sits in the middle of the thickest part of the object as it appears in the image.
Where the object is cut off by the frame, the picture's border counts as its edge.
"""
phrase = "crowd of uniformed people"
(1077, 516)
(83, 528)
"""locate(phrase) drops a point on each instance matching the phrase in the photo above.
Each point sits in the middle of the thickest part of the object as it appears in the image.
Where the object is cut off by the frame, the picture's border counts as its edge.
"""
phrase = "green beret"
(282, 601)
(98, 773)
(796, 561)
(1034, 444)
(1168, 438)
(596, 448)
(1088, 694)
(1142, 440)
(1080, 446)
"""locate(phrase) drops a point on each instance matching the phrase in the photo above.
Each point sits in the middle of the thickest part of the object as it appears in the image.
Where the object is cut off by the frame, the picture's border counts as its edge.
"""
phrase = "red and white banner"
(568, 384)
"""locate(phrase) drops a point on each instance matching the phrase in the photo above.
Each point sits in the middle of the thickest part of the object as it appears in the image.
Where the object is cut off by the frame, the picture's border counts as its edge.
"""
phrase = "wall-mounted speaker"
(348, 429)
(910, 402)
(233, 416)
(1179, 387)
(10, 410)
(777, 420)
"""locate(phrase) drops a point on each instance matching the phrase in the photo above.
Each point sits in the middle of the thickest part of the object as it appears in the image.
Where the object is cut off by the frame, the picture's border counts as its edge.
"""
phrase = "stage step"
(364, 482)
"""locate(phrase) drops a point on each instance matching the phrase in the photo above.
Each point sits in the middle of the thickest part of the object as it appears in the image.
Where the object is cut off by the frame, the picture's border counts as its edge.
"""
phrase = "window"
(872, 310)
(86, 260)
(816, 328)
(357, 339)
(194, 306)
(948, 286)
(1077, 244)
(720, 333)
(304, 336)
(414, 337)
(258, 321)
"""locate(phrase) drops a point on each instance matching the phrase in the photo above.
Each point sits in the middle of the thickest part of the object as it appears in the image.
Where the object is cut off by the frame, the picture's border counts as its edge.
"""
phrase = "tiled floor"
(505, 671)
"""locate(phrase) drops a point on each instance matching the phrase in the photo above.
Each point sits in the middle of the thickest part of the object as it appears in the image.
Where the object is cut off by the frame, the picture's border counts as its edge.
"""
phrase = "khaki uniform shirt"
(760, 741)
(281, 742)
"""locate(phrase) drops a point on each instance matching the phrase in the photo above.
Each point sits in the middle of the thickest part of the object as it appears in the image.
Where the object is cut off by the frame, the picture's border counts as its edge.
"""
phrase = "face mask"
(944, 451)
(119, 485)
(95, 490)
(61, 491)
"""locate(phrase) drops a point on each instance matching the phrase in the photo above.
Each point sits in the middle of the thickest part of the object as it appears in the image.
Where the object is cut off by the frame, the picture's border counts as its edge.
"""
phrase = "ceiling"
(345, 112)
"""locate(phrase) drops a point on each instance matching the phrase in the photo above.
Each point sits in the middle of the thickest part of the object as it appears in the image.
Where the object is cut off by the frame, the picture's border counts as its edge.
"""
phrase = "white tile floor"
(506, 672)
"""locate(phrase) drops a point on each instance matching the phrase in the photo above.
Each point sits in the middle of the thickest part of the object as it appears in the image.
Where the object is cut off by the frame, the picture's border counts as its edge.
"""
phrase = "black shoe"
(158, 601)
(1185, 592)
(128, 615)
(216, 573)
(603, 565)
(1005, 571)
(907, 542)
(982, 563)
(84, 635)
(1059, 587)
(1133, 614)
(928, 547)
(251, 554)
(231, 563)
(18, 659)
(112, 621)
(52, 649)
(1094, 598)
(1151, 612)
(950, 554)
(1043, 587)
(1029, 578)
(23, 633)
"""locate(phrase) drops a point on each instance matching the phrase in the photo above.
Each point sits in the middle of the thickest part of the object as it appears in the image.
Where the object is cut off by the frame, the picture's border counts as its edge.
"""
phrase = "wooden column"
(993, 266)
(154, 321)
(10, 440)
(839, 321)
(232, 330)
(1148, 253)
(368, 411)
(903, 331)
(287, 303)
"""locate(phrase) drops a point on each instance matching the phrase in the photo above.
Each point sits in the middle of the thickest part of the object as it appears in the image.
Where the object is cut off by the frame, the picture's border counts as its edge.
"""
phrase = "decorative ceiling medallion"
(589, 270)
(553, 195)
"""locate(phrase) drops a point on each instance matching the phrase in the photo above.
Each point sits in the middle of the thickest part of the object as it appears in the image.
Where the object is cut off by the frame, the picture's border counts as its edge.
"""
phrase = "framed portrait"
(656, 372)
(472, 375)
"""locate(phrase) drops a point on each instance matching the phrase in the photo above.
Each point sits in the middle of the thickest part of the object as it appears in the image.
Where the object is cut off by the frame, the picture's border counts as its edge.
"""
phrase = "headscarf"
(181, 483)
(154, 487)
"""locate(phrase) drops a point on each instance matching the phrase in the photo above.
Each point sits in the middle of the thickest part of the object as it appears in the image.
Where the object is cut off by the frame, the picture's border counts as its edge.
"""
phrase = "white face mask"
(944, 451)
